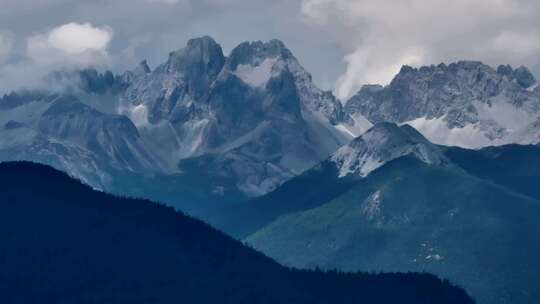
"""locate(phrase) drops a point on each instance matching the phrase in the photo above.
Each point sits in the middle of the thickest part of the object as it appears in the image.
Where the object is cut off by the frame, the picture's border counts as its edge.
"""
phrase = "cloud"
(6, 45)
(71, 43)
(24, 64)
(362, 68)
(75, 38)
(343, 43)
(382, 35)
(148, 29)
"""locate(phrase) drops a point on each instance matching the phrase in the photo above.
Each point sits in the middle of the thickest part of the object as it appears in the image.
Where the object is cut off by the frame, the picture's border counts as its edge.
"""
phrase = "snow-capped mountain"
(255, 116)
(392, 201)
(253, 119)
(168, 104)
(466, 104)
(381, 144)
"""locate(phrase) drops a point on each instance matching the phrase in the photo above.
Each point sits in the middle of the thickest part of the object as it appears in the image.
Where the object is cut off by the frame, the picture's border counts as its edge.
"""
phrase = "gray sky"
(343, 43)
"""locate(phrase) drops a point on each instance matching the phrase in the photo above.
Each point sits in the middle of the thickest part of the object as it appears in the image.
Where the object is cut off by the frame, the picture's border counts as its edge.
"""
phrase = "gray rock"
(441, 101)
(254, 119)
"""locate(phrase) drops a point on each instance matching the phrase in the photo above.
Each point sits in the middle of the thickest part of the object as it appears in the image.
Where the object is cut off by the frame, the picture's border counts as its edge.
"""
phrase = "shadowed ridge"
(64, 242)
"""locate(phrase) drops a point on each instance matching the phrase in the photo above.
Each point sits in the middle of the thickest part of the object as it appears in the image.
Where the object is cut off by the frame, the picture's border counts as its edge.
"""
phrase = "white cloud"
(364, 41)
(362, 68)
(381, 35)
(75, 38)
(69, 46)
(71, 43)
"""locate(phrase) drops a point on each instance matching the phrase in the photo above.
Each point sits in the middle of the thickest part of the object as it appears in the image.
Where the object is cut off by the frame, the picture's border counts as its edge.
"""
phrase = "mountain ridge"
(64, 242)
(408, 215)
(382, 144)
(458, 213)
(253, 120)
(465, 103)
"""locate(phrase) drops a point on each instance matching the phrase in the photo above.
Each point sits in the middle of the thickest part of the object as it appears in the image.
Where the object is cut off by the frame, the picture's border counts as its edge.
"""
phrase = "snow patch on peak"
(352, 161)
(382, 144)
(504, 113)
(533, 87)
(438, 132)
(468, 104)
(499, 123)
(346, 130)
(372, 206)
(356, 127)
(138, 114)
(256, 75)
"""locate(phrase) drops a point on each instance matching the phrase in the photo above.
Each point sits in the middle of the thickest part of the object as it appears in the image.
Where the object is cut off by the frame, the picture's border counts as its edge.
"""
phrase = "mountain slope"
(513, 166)
(240, 125)
(339, 173)
(65, 243)
(254, 117)
(411, 213)
(467, 104)
(61, 130)
(410, 217)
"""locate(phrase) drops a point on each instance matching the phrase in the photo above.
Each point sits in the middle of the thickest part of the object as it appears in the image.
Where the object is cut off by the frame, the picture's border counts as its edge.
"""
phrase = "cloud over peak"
(343, 43)
(25, 61)
(72, 43)
(382, 35)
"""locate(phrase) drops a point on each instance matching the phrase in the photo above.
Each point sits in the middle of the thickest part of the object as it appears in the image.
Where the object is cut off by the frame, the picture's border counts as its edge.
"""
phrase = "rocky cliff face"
(382, 144)
(466, 103)
(254, 118)
(63, 131)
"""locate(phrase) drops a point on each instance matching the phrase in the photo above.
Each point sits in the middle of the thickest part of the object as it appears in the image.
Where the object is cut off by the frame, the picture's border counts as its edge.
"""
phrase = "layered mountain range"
(244, 123)
(62, 242)
(255, 116)
(249, 143)
(467, 104)
(392, 201)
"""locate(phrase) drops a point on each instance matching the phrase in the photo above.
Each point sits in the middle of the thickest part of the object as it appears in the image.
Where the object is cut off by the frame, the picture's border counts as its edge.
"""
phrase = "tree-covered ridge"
(63, 242)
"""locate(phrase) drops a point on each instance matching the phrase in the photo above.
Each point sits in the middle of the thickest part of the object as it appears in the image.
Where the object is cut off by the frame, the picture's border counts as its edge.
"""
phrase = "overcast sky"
(343, 43)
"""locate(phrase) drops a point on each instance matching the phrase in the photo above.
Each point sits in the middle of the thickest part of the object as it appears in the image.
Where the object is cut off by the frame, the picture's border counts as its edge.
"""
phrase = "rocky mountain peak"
(254, 53)
(522, 75)
(140, 71)
(465, 103)
(142, 68)
(201, 56)
(175, 88)
(461, 69)
(256, 63)
(382, 144)
(505, 70)
(255, 118)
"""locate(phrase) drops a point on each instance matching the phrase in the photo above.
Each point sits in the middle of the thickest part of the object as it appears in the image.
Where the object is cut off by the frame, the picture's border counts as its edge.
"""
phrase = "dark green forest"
(62, 242)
